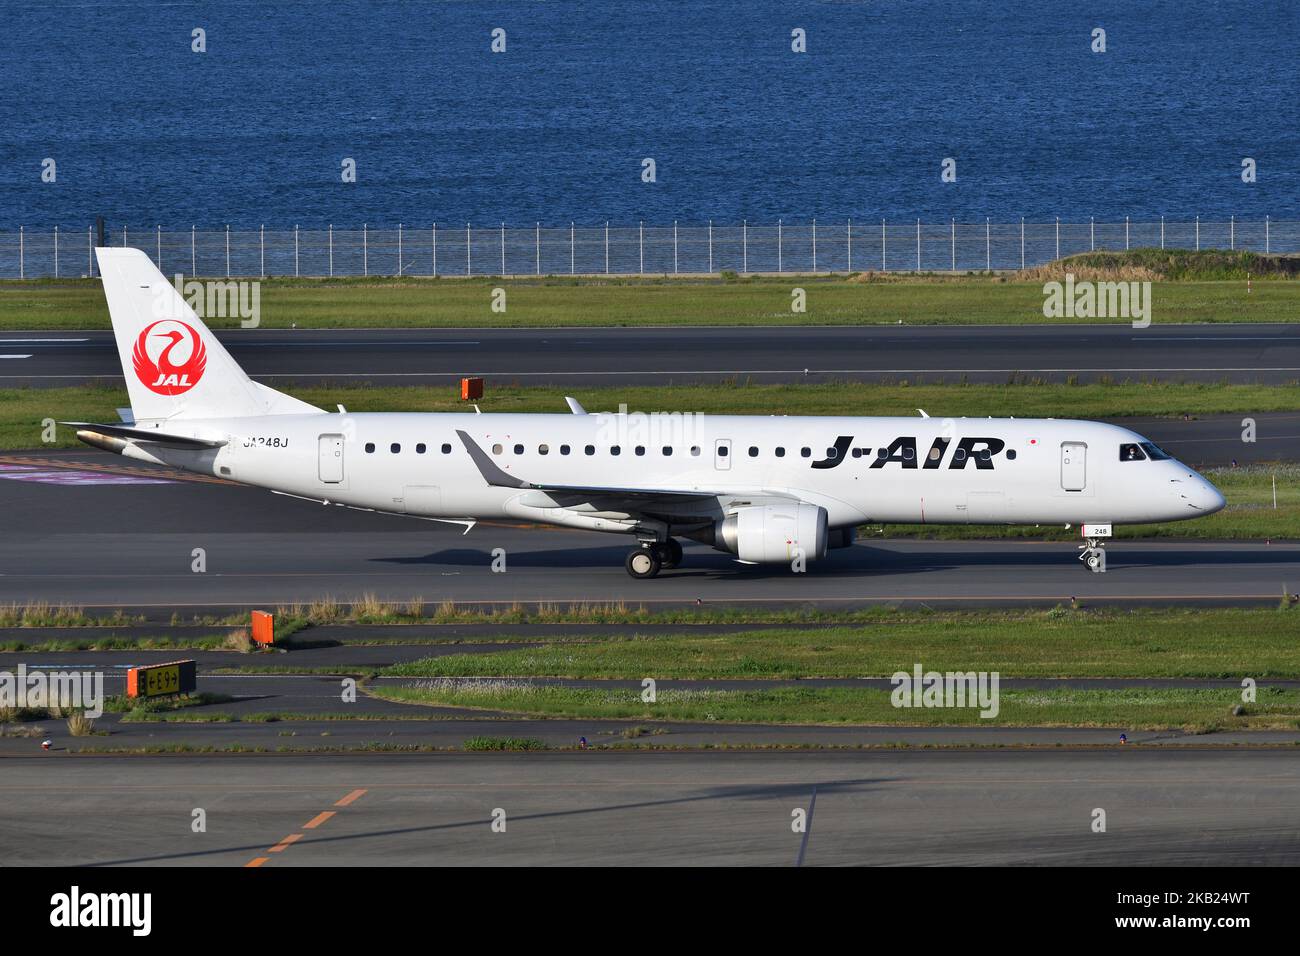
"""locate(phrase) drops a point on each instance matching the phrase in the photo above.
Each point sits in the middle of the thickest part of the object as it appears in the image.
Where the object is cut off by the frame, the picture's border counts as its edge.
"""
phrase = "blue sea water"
(555, 129)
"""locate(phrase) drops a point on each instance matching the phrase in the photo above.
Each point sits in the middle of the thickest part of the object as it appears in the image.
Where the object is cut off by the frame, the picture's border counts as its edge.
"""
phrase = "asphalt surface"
(1182, 806)
(132, 545)
(1266, 353)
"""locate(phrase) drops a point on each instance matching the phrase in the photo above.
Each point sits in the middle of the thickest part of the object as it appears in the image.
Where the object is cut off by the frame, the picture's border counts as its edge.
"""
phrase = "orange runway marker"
(317, 820)
(284, 844)
(257, 861)
(350, 798)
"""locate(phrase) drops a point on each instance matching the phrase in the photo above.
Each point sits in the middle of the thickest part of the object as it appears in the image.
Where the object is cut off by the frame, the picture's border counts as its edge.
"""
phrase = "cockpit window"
(1156, 452)
(1131, 452)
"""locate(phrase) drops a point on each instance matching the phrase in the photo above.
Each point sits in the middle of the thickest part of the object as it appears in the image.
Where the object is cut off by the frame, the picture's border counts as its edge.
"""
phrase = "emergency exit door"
(1074, 465)
(331, 459)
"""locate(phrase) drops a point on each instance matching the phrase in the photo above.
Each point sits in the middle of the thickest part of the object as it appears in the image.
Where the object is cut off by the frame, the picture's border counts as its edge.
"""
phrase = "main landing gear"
(652, 557)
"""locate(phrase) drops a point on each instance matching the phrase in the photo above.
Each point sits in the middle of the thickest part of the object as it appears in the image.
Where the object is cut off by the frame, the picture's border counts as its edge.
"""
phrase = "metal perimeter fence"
(804, 247)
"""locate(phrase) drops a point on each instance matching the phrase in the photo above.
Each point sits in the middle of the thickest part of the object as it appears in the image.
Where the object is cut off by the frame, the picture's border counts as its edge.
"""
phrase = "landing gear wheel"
(1093, 561)
(1093, 556)
(643, 562)
(670, 554)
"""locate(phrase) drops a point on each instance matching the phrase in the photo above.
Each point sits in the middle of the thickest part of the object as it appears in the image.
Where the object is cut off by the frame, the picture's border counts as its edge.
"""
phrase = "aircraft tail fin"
(173, 364)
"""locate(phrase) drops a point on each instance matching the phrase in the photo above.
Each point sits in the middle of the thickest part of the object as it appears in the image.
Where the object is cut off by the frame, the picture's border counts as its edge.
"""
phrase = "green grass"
(1146, 643)
(23, 410)
(1191, 709)
(559, 301)
(503, 743)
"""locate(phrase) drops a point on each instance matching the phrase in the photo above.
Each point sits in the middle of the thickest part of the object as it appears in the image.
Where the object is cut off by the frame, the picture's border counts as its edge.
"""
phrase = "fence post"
(331, 250)
(537, 247)
(1092, 233)
(674, 247)
(778, 247)
(261, 247)
(710, 246)
(882, 245)
(814, 244)
(399, 250)
(90, 251)
(469, 269)
(1266, 235)
(1058, 237)
(1022, 243)
(435, 250)
(744, 245)
(571, 244)
(952, 241)
(607, 246)
(503, 248)
(365, 249)
(1162, 232)
(22, 271)
(988, 247)
(193, 267)
(158, 246)
(227, 250)
(1198, 233)
(295, 250)
(918, 245)
(849, 234)
(1232, 233)
(56, 252)
(123, 236)
(641, 247)
(1126, 233)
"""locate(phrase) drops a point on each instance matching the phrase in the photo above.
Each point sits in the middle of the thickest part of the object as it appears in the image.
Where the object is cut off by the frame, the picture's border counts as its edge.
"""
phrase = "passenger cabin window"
(753, 451)
(519, 449)
(1131, 452)
(497, 449)
(640, 449)
(370, 448)
(446, 448)
(780, 452)
(615, 450)
(695, 451)
(805, 452)
(564, 449)
(420, 448)
(668, 451)
(589, 450)
(1011, 454)
(723, 451)
(395, 448)
(543, 449)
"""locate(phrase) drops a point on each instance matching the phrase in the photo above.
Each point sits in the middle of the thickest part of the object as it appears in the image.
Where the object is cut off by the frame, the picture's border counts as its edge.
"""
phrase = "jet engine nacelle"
(774, 534)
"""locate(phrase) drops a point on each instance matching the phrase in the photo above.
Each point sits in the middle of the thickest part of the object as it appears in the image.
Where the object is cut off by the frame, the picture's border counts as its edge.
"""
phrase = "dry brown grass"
(239, 641)
(79, 725)
(1056, 272)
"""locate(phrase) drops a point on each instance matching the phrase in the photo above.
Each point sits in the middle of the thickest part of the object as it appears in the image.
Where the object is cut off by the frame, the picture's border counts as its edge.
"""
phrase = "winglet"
(574, 406)
(923, 413)
(487, 467)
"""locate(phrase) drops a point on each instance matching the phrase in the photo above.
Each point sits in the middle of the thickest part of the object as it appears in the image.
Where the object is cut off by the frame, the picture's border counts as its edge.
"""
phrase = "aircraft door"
(722, 454)
(1074, 465)
(331, 459)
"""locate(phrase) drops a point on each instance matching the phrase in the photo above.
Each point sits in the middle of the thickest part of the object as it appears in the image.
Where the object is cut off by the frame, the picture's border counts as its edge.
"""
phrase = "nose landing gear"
(1093, 556)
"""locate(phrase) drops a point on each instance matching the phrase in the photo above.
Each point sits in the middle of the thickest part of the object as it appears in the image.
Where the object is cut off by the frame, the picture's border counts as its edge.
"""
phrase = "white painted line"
(15, 356)
(44, 340)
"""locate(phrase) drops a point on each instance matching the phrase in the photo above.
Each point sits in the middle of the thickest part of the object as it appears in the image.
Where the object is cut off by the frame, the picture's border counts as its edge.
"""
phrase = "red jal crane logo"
(164, 374)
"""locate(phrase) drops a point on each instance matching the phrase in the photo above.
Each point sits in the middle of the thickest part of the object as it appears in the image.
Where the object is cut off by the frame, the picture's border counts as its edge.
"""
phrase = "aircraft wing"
(498, 478)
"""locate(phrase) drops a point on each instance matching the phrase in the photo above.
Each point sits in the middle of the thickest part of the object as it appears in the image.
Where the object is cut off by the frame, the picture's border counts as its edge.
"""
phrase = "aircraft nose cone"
(1212, 499)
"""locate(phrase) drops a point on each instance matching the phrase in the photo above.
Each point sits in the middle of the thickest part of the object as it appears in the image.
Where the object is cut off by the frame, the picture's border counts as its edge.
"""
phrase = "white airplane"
(778, 490)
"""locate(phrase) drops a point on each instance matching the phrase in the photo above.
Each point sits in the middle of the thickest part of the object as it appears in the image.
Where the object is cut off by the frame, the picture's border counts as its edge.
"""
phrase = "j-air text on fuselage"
(768, 490)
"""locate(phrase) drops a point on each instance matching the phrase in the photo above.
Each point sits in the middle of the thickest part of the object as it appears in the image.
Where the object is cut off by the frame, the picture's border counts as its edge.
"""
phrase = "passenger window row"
(1127, 452)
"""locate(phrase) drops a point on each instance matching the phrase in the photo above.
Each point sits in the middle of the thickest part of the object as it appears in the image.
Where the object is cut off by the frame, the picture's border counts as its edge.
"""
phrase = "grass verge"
(1188, 709)
(1144, 643)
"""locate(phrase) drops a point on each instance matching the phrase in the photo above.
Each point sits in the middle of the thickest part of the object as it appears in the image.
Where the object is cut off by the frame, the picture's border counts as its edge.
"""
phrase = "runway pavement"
(661, 356)
(1163, 806)
(131, 544)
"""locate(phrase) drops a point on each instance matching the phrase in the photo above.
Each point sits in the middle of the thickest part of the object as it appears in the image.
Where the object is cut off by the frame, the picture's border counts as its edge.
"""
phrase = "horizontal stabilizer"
(141, 434)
